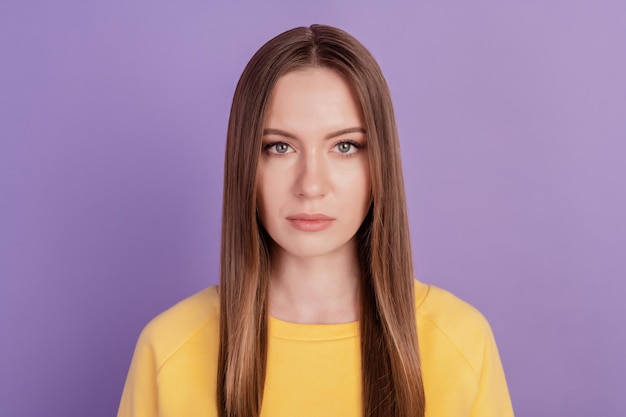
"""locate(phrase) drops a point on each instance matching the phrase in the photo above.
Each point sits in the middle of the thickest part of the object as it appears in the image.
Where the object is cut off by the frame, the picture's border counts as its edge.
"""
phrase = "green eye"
(281, 147)
(344, 147)
(347, 147)
(277, 148)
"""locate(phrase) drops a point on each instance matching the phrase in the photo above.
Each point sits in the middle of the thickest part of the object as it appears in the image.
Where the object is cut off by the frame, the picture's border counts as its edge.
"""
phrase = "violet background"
(113, 114)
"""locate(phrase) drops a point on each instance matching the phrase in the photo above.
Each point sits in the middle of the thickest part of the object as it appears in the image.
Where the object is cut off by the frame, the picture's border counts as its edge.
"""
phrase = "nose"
(312, 176)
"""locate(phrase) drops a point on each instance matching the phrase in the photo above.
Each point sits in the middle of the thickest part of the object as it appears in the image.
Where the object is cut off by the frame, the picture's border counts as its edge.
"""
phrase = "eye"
(347, 147)
(278, 148)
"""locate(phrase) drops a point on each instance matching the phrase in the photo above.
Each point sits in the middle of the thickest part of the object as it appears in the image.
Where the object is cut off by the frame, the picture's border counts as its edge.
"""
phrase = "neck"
(322, 289)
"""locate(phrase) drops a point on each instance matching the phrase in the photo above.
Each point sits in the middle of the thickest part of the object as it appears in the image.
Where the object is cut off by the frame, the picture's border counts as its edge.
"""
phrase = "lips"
(314, 222)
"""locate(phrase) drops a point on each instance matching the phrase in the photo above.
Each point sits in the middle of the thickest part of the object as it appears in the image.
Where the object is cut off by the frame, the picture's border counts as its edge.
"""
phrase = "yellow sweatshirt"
(314, 370)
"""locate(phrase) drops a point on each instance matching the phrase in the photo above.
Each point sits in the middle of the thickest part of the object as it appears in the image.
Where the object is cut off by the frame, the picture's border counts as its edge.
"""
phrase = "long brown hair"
(392, 381)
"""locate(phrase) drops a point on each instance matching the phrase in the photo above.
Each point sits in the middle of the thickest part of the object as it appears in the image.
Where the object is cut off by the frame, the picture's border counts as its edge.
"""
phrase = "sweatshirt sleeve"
(139, 398)
(492, 399)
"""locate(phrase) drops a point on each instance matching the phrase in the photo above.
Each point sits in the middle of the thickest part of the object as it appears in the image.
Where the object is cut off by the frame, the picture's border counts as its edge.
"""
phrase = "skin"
(314, 162)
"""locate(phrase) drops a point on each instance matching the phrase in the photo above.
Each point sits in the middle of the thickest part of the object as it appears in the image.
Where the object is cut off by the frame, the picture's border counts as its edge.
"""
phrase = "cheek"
(356, 186)
(267, 196)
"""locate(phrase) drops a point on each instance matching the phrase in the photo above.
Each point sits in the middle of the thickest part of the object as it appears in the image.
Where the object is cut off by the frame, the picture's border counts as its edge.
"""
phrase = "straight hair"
(391, 373)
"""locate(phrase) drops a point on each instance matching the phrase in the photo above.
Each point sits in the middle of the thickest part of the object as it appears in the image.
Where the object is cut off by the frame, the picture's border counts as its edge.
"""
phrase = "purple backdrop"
(112, 124)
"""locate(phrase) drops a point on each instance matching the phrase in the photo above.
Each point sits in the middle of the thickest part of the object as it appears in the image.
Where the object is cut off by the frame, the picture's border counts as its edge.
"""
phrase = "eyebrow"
(341, 132)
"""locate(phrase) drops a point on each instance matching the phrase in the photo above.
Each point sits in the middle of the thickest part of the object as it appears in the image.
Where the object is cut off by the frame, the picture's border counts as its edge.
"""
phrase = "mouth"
(315, 222)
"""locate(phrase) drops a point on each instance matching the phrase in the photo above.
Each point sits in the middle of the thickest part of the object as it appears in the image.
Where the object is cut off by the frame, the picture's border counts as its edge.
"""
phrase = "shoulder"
(447, 322)
(446, 310)
(176, 326)
(187, 333)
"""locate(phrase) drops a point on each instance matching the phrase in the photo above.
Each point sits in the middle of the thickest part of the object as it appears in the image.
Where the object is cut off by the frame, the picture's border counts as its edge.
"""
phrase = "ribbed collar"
(312, 332)
(324, 332)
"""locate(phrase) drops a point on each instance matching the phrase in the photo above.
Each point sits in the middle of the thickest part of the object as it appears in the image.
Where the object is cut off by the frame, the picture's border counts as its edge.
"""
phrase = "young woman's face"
(313, 175)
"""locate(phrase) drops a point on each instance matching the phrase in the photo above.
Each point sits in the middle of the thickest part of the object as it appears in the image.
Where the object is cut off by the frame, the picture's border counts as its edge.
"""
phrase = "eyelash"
(356, 145)
(267, 147)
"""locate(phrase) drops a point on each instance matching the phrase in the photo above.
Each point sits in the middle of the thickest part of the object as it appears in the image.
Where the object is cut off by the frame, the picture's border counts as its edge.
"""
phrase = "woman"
(317, 312)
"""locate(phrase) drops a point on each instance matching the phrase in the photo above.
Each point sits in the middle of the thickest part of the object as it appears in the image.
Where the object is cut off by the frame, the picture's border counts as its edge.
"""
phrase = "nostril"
(311, 183)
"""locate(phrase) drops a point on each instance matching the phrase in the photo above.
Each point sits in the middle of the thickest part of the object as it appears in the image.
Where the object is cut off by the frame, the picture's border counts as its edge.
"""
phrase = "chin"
(309, 249)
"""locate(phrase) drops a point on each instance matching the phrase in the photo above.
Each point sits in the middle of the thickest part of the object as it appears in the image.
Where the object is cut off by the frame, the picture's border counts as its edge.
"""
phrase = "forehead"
(313, 96)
